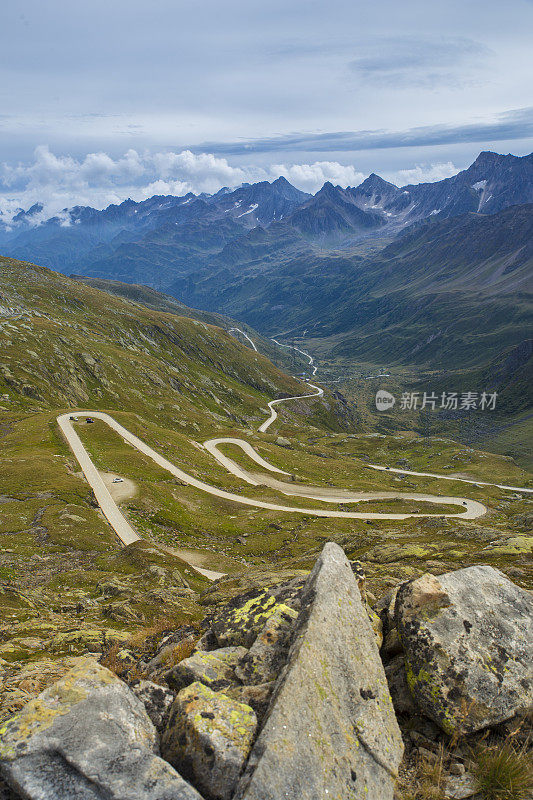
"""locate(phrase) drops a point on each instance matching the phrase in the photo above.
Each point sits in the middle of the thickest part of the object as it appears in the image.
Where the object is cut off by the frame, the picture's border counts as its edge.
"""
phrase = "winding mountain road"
(451, 478)
(274, 414)
(127, 534)
(292, 347)
(472, 510)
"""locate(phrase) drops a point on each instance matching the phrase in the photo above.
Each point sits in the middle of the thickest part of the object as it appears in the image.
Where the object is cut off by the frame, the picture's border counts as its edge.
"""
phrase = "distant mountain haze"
(435, 273)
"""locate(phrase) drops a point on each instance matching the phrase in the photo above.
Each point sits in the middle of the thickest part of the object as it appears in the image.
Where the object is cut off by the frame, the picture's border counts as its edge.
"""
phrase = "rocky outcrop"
(297, 663)
(87, 737)
(331, 729)
(468, 643)
(208, 739)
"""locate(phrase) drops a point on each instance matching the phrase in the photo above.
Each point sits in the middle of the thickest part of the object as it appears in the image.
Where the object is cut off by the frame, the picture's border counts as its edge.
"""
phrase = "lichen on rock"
(215, 669)
(241, 624)
(208, 739)
(87, 736)
(263, 661)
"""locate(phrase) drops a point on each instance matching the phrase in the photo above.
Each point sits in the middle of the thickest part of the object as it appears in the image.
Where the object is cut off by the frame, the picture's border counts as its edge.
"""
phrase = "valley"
(430, 281)
(197, 398)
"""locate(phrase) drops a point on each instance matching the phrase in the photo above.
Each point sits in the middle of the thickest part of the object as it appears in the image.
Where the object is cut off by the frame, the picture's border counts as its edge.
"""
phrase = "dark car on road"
(89, 419)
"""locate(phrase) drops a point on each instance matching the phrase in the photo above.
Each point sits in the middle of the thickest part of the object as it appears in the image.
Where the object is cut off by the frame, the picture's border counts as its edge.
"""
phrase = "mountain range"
(436, 275)
(166, 236)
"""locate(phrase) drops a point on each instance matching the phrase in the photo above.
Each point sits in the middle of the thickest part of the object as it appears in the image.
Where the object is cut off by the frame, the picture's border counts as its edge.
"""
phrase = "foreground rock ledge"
(87, 737)
(331, 731)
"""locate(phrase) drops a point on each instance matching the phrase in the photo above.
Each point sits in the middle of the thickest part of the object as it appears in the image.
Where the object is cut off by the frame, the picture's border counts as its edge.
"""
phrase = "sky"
(102, 101)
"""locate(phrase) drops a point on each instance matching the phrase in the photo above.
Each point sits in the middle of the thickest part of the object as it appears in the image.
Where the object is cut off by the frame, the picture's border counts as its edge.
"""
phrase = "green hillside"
(158, 301)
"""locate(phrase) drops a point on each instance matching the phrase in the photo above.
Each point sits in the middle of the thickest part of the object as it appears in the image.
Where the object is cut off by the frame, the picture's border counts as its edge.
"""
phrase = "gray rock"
(265, 658)
(257, 696)
(240, 624)
(330, 730)
(87, 737)
(208, 739)
(468, 643)
(215, 669)
(156, 699)
(460, 788)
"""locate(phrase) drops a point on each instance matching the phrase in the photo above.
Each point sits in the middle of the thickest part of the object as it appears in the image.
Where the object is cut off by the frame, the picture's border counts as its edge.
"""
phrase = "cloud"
(419, 61)
(204, 171)
(97, 179)
(513, 124)
(310, 177)
(422, 173)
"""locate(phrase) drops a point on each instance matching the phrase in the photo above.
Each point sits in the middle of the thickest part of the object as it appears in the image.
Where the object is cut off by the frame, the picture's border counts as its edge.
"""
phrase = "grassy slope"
(145, 296)
(64, 345)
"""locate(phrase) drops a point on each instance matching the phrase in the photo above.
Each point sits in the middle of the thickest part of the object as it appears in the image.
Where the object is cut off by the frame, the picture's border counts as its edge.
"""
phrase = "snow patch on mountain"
(250, 210)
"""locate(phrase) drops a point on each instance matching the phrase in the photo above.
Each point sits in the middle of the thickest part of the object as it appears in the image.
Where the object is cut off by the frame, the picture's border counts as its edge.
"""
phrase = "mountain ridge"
(83, 239)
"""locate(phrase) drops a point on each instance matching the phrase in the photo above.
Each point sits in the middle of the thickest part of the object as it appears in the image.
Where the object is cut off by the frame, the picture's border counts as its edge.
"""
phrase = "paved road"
(238, 330)
(110, 509)
(292, 347)
(127, 534)
(472, 509)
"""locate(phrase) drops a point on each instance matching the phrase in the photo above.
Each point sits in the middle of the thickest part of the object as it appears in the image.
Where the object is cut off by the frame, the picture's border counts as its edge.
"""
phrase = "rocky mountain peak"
(374, 182)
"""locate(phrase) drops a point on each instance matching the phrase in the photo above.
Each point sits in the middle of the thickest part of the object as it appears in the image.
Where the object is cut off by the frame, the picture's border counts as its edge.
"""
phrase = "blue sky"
(103, 100)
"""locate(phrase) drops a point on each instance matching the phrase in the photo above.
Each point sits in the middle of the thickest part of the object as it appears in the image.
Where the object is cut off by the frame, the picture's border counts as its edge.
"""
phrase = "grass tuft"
(504, 773)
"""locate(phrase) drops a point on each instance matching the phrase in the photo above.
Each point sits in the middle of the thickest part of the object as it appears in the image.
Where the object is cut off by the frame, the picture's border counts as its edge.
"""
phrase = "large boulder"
(331, 729)
(468, 644)
(208, 738)
(87, 737)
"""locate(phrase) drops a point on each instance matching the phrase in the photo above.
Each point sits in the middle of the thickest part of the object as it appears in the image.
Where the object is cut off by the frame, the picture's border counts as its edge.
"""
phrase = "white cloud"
(177, 188)
(60, 182)
(422, 173)
(310, 177)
